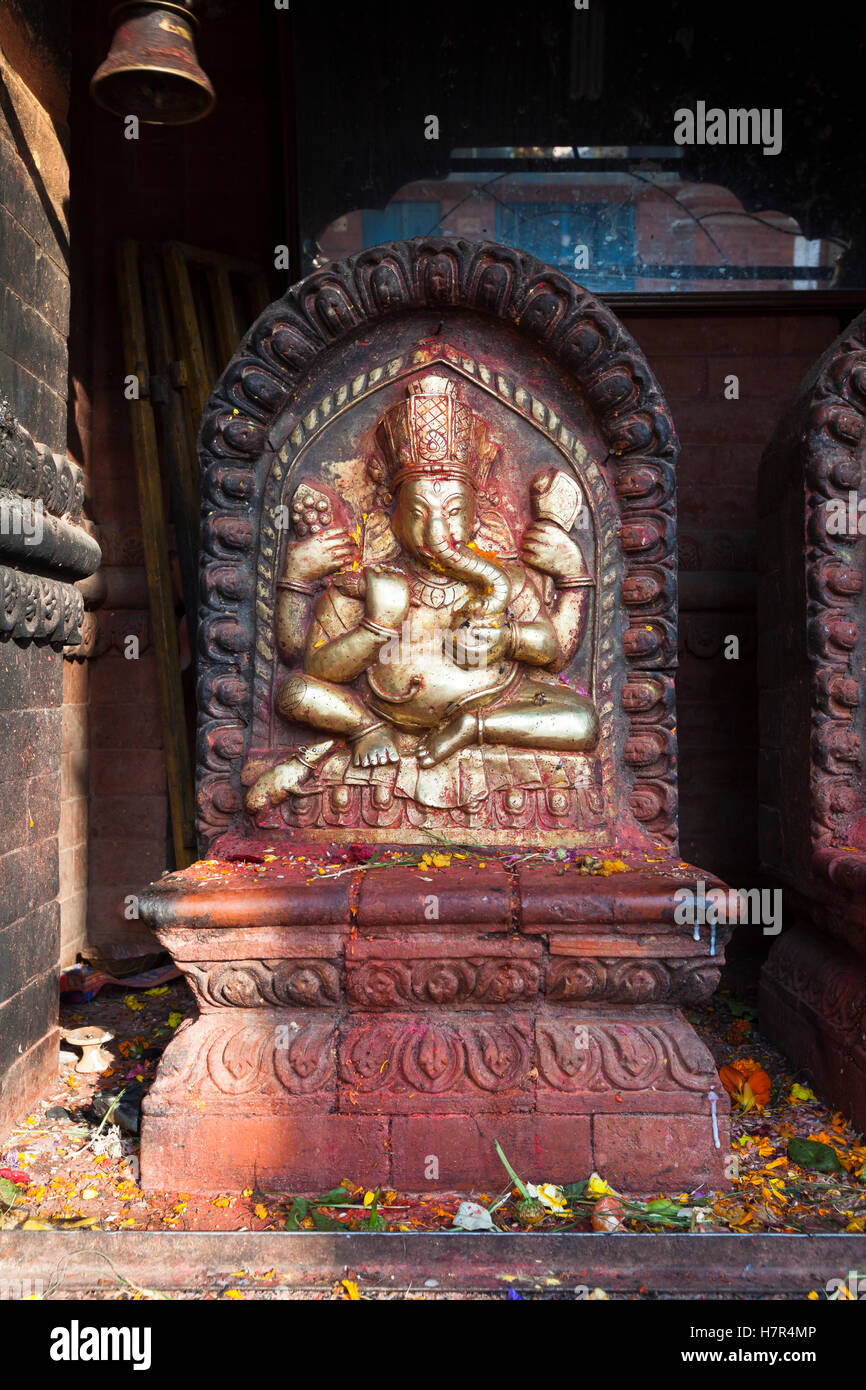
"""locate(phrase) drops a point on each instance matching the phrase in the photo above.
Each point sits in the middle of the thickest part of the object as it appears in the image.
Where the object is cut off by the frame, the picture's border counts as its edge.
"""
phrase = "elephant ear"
(494, 535)
(378, 542)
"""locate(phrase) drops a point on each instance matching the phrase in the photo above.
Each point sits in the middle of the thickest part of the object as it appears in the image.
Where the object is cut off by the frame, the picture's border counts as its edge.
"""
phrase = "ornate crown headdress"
(434, 433)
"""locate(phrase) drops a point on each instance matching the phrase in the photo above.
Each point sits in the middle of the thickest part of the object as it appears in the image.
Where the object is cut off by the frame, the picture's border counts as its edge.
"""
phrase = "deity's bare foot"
(375, 749)
(441, 743)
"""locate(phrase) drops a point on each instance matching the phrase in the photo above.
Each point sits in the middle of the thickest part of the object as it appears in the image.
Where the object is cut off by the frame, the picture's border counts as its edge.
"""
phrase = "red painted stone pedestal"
(813, 811)
(340, 1034)
(813, 1001)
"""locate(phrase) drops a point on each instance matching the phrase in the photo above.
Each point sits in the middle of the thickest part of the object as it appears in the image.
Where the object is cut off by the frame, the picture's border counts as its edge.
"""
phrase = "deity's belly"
(414, 686)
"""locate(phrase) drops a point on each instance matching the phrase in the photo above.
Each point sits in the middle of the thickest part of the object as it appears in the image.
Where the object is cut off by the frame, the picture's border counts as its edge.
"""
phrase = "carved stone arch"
(586, 368)
(811, 662)
(812, 633)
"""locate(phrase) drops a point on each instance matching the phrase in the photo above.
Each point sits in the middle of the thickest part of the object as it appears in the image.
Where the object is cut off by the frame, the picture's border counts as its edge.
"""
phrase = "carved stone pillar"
(811, 662)
(439, 612)
(45, 549)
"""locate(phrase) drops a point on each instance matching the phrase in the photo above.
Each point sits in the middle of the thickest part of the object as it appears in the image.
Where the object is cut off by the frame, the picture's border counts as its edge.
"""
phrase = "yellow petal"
(597, 1187)
(799, 1092)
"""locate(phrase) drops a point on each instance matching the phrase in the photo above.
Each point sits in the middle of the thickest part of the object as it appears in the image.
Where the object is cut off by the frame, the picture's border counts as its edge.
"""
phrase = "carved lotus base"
(342, 1033)
(813, 1005)
(299, 1100)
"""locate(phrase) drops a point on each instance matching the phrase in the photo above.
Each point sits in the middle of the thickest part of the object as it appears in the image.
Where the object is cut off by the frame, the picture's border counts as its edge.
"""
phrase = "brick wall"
(34, 310)
(74, 787)
(721, 445)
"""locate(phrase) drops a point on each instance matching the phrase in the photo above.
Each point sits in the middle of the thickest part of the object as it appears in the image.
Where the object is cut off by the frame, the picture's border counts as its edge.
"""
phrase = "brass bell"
(152, 70)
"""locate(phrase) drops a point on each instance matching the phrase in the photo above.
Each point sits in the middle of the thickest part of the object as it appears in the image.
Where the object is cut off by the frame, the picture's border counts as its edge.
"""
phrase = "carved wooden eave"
(41, 564)
(595, 355)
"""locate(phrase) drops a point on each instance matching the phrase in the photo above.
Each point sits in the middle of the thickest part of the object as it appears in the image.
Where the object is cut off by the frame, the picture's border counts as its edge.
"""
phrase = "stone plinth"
(340, 1033)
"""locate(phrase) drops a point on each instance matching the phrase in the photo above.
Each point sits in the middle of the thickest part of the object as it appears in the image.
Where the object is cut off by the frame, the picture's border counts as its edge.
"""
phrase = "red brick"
(807, 334)
(31, 677)
(308, 1154)
(553, 1102)
(73, 821)
(31, 1012)
(125, 725)
(709, 334)
(74, 721)
(28, 951)
(109, 930)
(74, 774)
(31, 742)
(118, 776)
(652, 1153)
(129, 817)
(810, 1021)
(739, 422)
(75, 682)
(759, 377)
(547, 1148)
(67, 883)
(27, 1078)
(114, 679)
(30, 876)
(125, 861)
(721, 466)
(666, 335)
(681, 376)
(29, 811)
(742, 333)
(73, 925)
(726, 502)
(113, 494)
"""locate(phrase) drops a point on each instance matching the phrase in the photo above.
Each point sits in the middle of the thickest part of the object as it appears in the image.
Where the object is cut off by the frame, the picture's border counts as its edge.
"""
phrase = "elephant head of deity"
(435, 457)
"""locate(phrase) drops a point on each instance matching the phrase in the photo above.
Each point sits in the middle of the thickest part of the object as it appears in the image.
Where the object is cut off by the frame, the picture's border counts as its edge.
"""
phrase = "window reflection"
(630, 228)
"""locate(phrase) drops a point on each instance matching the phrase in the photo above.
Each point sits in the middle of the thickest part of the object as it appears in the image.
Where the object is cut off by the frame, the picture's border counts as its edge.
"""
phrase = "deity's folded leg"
(307, 700)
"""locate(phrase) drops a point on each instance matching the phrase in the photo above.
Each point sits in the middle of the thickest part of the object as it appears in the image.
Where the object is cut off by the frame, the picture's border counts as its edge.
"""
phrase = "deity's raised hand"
(317, 556)
(548, 548)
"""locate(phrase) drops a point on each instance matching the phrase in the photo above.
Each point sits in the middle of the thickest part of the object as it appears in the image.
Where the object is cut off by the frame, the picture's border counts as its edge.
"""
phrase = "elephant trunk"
(463, 563)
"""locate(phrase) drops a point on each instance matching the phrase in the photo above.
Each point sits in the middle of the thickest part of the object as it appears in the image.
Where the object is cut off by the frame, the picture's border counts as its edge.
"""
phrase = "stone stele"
(438, 611)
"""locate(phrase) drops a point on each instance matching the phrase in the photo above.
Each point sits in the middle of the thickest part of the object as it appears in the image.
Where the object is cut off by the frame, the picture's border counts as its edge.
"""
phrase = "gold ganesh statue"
(442, 645)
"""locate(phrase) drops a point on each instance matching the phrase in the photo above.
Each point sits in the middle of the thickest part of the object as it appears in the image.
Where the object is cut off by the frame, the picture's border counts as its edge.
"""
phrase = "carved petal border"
(594, 351)
(39, 600)
(833, 451)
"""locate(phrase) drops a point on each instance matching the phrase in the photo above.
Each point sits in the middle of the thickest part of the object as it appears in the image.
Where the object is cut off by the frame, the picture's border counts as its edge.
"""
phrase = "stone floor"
(72, 1169)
